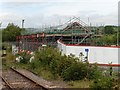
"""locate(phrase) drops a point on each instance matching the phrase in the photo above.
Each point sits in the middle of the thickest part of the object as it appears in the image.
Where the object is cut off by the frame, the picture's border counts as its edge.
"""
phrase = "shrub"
(67, 67)
(94, 72)
(25, 56)
(53, 67)
(58, 65)
(35, 64)
(46, 55)
(102, 83)
(76, 71)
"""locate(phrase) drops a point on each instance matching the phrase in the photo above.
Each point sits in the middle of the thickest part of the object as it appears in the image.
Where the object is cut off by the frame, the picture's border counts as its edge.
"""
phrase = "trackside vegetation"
(52, 65)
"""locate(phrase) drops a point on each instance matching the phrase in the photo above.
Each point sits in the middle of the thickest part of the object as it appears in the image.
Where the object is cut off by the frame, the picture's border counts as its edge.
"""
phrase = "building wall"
(62, 47)
(101, 55)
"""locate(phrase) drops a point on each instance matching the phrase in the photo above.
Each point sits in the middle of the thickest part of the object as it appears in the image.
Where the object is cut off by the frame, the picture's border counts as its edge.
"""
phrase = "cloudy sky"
(41, 13)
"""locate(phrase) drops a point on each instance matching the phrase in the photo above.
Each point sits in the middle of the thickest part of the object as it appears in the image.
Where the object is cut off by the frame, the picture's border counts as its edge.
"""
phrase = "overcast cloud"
(39, 13)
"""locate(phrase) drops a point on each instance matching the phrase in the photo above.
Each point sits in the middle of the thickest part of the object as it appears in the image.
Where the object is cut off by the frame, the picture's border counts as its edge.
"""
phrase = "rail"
(10, 87)
(21, 79)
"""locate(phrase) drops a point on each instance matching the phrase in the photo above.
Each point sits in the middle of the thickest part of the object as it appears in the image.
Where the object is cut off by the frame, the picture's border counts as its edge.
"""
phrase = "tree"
(109, 30)
(10, 32)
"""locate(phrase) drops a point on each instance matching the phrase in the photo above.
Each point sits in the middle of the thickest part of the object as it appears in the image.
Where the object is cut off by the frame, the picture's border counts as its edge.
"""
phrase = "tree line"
(109, 36)
(10, 32)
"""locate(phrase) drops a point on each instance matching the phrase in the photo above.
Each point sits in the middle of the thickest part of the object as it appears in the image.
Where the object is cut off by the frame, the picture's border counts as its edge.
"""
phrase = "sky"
(43, 13)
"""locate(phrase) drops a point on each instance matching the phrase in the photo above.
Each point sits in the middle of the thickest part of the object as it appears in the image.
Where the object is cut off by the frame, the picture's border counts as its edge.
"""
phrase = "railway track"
(13, 80)
(5, 85)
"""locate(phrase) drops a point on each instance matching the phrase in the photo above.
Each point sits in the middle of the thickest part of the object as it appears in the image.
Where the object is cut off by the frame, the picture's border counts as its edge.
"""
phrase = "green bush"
(94, 72)
(59, 64)
(26, 57)
(35, 64)
(52, 59)
(46, 55)
(76, 71)
(53, 67)
(67, 67)
(102, 83)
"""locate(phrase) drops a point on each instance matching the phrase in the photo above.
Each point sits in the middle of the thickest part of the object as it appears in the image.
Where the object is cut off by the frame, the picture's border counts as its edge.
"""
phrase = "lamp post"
(23, 23)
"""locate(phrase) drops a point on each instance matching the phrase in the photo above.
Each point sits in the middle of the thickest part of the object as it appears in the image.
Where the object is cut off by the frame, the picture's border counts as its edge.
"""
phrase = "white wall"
(62, 47)
(101, 55)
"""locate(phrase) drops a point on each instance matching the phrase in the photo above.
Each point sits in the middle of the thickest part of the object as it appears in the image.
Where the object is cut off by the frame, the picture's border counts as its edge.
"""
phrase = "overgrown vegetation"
(51, 65)
(102, 83)
(68, 68)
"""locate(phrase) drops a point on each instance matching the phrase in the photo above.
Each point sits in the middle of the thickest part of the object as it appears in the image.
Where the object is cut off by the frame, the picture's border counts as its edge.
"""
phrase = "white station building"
(102, 55)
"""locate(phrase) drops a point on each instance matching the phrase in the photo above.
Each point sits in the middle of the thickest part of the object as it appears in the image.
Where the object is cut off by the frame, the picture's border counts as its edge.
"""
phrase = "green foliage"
(110, 39)
(46, 55)
(102, 83)
(102, 80)
(76, 71)
(94, 72)
(57, 66)
(67, 67)
(109, 30)
(35, 64)
(60, 65)
(10, 32)
(107, 40)
(109, 36)
(25, 57)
